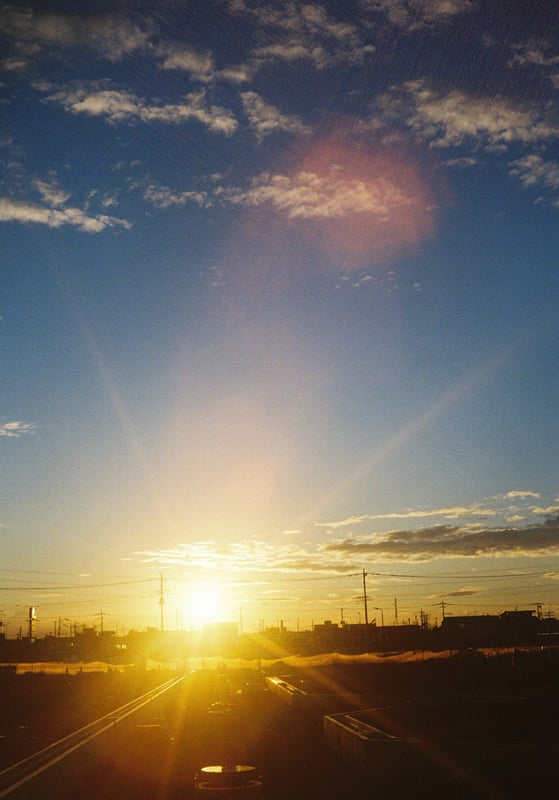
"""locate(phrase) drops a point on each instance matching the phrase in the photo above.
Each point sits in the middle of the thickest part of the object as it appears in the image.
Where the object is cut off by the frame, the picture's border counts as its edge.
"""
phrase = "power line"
(72, 586)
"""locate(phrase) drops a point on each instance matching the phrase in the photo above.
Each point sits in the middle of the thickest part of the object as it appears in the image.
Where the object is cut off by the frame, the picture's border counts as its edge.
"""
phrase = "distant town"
(525, 628)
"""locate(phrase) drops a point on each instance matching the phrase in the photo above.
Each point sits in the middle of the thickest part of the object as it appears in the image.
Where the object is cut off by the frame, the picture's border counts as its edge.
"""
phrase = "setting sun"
(203, 604)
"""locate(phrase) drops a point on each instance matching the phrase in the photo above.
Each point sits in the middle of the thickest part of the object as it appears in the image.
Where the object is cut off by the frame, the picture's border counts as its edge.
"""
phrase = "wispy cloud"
(307, 195)
(16, 428)
(535, 172)
(51, 193)
(347, 555)
(24, 212)
(265, 119)
(413, 14)
(199, 65)
(110, 36)
(299, 31)
(450, 512)
(122, 106)
(449, 119)
(520, 494)
(164, 197)
(534, 52)
(449, 541)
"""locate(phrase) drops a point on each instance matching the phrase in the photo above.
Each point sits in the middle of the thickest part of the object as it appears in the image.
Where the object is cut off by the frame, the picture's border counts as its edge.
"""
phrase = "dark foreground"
(506, 711)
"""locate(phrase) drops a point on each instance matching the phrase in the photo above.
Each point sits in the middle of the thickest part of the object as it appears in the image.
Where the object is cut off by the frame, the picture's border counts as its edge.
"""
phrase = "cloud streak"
(308, 195)
(118, 106)
(16, 428)
(111, 36)
(449, 541)
(453, 118)
(265, 119)
(29, 213)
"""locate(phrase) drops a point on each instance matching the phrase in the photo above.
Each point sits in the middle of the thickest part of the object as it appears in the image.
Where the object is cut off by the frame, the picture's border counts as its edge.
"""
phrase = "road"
(152, 748)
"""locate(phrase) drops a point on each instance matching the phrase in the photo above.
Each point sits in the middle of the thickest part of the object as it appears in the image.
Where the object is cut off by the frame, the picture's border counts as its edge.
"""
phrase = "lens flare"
(360, 204)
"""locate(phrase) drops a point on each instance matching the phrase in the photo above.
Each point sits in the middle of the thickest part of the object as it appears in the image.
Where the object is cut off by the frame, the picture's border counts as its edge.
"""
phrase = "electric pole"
(161, 599)
(365, 596)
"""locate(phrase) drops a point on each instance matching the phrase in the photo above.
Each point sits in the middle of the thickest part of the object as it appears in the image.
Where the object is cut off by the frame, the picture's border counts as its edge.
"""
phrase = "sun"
(204, 604)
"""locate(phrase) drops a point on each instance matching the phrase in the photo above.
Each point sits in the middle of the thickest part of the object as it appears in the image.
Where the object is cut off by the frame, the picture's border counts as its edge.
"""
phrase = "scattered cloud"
(13, 64)
(110, 36)
(307, 195)
(164, 197)
(265, 119)
(121, 106)
(16, 211)
(354, 520)
(451, 512)
(534, 53)
(199, 65)
(16, 428)
(449, 541)
(299, 31)
(449, 119)
(456, 593)
(414, 14)
(461, 162)
(520, 494)
(51, 193)
(347, 556)
(533, 171)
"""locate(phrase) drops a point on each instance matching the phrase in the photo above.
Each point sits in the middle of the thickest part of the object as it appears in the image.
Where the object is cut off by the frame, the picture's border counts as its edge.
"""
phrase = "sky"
(278, 306)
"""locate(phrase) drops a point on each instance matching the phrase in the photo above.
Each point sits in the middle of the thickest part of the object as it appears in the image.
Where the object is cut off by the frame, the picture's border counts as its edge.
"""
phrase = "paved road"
(209, 719)
(21, 778)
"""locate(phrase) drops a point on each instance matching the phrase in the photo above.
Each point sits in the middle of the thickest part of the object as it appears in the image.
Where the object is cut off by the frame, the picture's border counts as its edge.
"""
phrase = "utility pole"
(395, 610)
(365, 596)
(101, 615)
(161, 599)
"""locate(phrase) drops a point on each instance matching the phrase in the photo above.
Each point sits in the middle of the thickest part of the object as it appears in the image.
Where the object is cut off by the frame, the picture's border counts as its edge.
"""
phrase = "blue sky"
(278, 302)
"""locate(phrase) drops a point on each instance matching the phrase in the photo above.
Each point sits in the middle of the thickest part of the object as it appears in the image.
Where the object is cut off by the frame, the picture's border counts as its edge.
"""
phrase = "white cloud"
(12, 430)
(413, 14)
(175, 57)
(449, 541)
(120, 106)
(448, 119)
(521, 494)
(265, 119)
(13, 64)
(451, 512)
(304, 31)
(307, 195)
(17, 211)
(240, 73)
(534, 53)
(343, 523)
(51, 193)
(111, 36)
(164, 197)
(534, 171)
